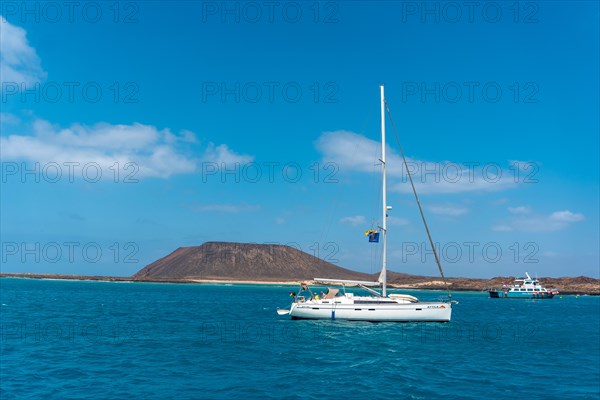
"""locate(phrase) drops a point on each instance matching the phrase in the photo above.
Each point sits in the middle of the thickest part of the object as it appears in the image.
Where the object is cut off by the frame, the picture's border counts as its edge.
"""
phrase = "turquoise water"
(69, 339)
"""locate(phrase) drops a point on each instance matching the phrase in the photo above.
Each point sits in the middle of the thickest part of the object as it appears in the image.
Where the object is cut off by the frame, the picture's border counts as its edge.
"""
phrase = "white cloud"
(350, 150)
(448, 210)
(354, 220)
(519, 210)
(104, 144)
(101, 135)
(279, 220)
(221, 154)
(188, 136)
(8, 119)
(566, 216)
(354, 152)
(154, 152)
(525, 222)
(19, 62)
(226, 208)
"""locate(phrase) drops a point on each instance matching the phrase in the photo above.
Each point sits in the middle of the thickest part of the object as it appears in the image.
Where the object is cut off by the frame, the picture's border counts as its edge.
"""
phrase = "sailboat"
(378, 305)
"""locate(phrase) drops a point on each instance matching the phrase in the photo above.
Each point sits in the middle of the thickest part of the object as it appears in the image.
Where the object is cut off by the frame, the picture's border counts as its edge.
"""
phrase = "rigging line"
(437, 259)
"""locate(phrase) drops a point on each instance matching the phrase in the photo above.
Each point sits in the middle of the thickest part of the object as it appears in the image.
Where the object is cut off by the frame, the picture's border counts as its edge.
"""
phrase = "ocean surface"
(104, 340)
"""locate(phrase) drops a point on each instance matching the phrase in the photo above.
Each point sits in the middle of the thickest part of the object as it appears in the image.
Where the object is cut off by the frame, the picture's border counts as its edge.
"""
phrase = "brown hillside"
(244, 261)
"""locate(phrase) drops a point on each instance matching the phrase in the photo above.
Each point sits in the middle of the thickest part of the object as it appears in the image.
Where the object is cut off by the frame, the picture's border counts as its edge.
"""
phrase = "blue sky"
(146, 126)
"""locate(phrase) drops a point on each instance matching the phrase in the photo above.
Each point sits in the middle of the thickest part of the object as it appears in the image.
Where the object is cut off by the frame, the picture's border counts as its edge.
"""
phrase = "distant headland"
(230, 262)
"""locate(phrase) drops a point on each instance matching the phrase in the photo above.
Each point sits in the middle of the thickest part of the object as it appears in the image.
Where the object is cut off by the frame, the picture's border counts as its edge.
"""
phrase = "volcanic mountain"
(228, 261)
(244, 261)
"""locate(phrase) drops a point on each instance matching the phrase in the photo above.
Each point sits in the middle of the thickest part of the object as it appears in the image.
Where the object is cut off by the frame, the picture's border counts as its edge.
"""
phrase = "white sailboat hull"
(408, 312)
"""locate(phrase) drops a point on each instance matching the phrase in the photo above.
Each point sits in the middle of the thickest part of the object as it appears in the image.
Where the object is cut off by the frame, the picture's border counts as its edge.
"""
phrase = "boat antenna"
(437, 259)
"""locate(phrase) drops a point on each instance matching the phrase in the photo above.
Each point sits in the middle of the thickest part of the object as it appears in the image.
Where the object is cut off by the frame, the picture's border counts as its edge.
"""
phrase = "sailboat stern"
(439, 312)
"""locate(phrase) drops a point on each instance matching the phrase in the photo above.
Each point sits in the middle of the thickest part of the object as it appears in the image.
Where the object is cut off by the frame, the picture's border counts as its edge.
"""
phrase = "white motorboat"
(523, 288)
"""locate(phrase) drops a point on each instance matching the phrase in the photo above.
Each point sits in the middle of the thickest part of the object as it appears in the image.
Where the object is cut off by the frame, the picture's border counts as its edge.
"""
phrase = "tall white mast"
(383, 276)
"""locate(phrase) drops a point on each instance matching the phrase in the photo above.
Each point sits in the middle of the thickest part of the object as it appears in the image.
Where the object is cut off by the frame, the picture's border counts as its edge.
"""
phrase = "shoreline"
(103, 278)
(427, 285)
